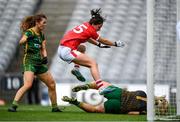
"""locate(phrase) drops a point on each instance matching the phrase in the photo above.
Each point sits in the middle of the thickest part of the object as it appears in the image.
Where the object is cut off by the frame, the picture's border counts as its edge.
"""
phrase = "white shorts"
(66, 54)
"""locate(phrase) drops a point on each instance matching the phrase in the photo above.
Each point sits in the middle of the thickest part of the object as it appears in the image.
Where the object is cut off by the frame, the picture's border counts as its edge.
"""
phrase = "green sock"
(54, 105)
(88, 85)
(77, 103)
(15, 103)
(80, 104)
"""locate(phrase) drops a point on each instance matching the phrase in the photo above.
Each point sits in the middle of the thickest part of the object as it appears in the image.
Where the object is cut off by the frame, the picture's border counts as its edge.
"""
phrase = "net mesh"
(165, 56)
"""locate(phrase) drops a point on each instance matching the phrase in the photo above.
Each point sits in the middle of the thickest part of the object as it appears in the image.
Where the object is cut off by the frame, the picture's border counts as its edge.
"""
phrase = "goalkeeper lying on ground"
(119, 101)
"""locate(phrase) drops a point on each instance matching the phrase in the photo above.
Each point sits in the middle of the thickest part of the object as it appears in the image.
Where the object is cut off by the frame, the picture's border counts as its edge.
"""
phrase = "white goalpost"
(178, 58)
(163, 57)
(150, 62)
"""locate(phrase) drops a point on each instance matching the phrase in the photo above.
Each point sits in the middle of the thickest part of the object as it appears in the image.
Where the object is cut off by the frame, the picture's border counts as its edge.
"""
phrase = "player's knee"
(52, 85)
(27, 86)
(81, 48)
(93, 63)
(94, 110)
(99, 109)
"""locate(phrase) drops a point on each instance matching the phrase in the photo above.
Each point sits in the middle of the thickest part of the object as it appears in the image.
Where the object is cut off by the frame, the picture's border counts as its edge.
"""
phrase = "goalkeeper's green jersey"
(120, 101)
(133, 101)
(32, 48)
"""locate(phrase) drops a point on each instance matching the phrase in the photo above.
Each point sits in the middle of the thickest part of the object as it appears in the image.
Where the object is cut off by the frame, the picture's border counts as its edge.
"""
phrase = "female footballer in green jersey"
(119, 101)
(35, 59)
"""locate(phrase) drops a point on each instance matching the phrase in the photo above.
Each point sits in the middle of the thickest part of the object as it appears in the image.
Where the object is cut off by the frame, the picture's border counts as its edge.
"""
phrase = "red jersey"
(78, 35)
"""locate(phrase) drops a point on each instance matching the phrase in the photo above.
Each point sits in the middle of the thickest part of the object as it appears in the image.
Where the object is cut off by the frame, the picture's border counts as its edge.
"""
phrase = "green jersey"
(133, 101)
(32, 53)
(32, 48)
(120, 101)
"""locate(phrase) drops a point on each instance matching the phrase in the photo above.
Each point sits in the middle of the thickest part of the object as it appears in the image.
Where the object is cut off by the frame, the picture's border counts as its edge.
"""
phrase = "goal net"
(164, 62)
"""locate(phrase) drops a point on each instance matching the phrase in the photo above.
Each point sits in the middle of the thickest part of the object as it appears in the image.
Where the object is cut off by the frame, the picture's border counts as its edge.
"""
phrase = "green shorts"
(113, 104)
(37, 69)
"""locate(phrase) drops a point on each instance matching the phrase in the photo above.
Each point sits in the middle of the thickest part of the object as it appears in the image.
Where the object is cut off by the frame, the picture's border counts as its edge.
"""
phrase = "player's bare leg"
(86, 107)
(100, 85)
(75, 71)
(50, 83)
(87, 86)
(28, 80)
(85, 60)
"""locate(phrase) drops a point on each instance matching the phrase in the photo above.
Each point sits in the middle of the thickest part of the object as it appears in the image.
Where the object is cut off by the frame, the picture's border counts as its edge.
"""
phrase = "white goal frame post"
(178, 58)
(150, 62)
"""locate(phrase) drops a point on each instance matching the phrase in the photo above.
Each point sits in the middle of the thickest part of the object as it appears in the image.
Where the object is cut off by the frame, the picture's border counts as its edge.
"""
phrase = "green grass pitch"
(70, 113)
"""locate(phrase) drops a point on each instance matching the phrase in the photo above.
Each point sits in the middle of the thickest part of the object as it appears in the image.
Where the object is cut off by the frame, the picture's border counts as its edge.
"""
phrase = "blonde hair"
(161, 105)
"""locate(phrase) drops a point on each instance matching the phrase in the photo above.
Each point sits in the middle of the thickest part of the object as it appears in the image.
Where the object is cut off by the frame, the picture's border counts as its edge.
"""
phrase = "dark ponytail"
(96, 17)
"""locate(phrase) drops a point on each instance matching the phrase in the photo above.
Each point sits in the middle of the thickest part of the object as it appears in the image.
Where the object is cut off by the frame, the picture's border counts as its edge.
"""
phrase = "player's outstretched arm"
(134, 113)
(97, 43)
(110, 43)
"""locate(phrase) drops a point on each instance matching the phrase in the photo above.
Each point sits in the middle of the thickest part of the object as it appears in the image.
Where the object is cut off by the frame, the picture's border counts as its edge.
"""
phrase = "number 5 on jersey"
(79, 29)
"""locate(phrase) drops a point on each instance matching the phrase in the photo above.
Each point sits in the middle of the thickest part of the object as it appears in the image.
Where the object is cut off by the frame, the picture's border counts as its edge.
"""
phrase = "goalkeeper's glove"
(44, 60)
(119, 43)
(103, 46)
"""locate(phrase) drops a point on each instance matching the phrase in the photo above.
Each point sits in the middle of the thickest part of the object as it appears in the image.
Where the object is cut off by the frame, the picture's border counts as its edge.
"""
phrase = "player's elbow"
(134, 113)
(99, 109)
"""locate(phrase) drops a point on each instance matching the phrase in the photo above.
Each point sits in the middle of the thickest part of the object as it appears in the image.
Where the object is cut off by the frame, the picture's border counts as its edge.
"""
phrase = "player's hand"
(119, 43)
(103, 46)
(44, 60)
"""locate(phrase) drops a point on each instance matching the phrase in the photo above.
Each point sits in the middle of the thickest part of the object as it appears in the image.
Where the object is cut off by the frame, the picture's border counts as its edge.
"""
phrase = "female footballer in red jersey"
(86, 32)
